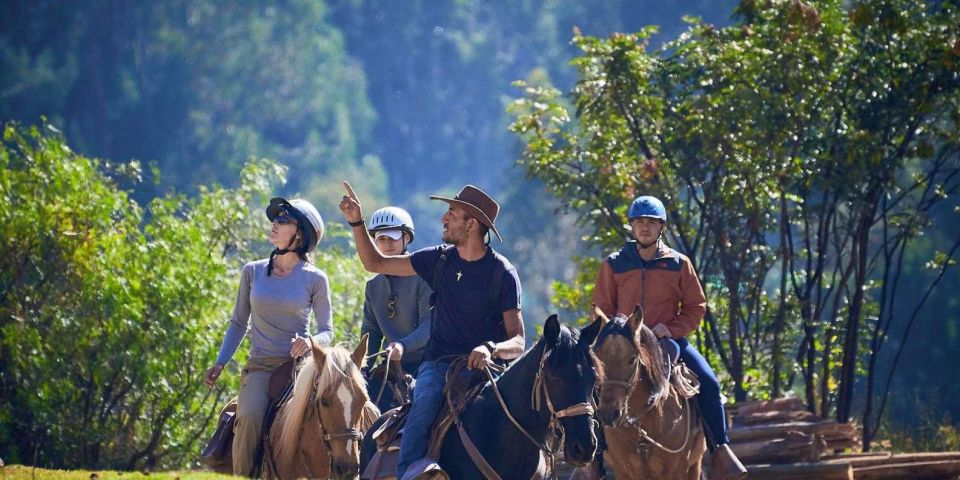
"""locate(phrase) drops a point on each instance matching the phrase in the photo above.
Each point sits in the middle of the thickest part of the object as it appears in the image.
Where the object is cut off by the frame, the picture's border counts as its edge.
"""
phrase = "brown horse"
(651, 425)
(318, 429)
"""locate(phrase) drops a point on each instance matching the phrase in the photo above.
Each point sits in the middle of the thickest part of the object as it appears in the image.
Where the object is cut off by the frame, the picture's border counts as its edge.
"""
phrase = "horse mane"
(567, 346)
(648, 348)
(337, 368)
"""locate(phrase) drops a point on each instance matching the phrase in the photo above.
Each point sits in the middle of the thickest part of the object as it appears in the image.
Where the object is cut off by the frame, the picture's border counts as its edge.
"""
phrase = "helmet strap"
(281, 251)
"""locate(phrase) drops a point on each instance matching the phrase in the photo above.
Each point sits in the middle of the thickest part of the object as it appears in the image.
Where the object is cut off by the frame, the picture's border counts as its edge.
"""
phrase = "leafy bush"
(110, 311)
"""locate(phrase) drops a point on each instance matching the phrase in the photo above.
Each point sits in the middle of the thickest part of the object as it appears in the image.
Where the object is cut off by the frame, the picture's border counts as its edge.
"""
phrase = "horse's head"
(341, 399)
(570, 373)
(632, 361)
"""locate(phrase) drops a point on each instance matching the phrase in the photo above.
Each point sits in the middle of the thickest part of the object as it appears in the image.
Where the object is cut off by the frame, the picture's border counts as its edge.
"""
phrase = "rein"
(634, 422)
(540, 394)
(386, 375)
(349, 433)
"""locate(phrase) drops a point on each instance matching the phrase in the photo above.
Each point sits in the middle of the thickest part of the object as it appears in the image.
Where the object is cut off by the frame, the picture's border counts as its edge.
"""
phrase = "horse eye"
(324, 402)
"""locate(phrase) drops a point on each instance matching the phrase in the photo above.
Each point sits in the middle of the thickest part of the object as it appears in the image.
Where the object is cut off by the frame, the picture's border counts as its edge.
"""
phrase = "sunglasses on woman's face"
(284, 219)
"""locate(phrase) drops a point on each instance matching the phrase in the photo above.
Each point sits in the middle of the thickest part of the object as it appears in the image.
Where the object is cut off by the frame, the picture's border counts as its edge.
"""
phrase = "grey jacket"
(410, 324)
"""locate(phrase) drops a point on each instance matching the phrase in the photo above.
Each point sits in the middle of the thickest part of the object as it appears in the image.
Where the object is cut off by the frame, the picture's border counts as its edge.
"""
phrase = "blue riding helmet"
(647, 206)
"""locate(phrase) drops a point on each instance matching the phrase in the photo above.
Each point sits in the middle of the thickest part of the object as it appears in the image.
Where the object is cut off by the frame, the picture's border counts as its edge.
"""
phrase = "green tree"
(193, 88)
(798, 152)
(110, 312)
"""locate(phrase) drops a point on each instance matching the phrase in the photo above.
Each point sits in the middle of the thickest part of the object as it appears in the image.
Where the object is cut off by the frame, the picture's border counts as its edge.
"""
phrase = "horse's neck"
(516, 385)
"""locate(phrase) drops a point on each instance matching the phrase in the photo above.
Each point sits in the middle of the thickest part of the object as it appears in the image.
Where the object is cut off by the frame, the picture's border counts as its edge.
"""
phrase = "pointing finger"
(350, 191)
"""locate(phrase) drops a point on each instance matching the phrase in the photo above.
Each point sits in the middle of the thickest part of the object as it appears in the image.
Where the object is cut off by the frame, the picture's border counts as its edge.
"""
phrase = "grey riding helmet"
(391, 218)
(305, 213)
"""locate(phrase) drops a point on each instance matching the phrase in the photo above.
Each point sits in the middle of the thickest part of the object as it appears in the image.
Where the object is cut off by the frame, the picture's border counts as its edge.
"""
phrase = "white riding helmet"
(391, 218)
(307, 212)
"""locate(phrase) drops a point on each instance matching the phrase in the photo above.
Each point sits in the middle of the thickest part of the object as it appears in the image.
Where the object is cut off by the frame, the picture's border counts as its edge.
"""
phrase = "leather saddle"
(217, 453)
(462, 385)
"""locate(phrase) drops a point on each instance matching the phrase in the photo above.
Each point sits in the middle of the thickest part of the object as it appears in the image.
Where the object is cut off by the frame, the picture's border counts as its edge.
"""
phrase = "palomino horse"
(546, 391)
(318, 429)
(651, 425)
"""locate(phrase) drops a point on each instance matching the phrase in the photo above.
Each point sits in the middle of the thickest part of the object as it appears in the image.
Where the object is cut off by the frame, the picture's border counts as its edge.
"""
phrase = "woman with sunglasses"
(396, 310)
(275, 299)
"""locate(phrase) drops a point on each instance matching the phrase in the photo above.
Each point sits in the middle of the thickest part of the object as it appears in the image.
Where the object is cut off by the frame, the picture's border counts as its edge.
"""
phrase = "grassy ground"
(20, 472)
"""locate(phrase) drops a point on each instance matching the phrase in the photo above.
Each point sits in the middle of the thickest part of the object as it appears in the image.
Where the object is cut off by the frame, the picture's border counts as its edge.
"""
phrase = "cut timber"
(843, 444)
(886, 458)
(801, 471)
(792, 447)
(828, 429)
(750, 408)
(913, 470)
(851, 458)
(774, 416)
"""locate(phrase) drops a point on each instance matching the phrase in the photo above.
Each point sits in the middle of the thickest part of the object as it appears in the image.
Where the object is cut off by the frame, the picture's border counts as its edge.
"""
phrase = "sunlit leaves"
(808, 112)
(110, 312)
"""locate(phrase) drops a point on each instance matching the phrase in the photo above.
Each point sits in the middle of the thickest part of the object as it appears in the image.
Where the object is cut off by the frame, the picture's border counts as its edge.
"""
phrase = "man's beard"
(447, 238)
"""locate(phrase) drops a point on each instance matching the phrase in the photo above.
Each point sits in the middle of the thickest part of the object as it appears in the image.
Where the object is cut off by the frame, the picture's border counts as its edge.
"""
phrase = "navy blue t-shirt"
(462, 315)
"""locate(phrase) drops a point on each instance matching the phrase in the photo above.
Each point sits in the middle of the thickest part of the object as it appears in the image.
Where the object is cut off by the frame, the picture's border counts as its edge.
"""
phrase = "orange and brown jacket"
(666, 287)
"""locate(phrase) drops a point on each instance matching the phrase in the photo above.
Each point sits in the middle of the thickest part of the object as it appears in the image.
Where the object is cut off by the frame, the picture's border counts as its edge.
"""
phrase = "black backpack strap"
(438, 274)
(493, 294)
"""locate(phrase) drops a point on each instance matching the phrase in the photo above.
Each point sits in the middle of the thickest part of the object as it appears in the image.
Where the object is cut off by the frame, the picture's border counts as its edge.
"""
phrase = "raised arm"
(372, 259)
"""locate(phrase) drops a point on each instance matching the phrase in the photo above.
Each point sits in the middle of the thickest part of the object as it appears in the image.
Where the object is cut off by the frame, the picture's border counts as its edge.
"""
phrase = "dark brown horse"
(651, 424)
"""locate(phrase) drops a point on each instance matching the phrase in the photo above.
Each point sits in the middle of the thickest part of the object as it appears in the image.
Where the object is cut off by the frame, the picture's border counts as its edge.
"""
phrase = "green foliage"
(797, 152)
(192, 87)
(110, 313)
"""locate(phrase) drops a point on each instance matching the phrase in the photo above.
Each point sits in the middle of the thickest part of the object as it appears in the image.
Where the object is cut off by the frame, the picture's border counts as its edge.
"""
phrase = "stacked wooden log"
(783, 431)
(779, 439)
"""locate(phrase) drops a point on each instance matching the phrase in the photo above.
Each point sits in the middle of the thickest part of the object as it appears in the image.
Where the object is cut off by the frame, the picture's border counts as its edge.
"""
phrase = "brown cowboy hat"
(478, 203)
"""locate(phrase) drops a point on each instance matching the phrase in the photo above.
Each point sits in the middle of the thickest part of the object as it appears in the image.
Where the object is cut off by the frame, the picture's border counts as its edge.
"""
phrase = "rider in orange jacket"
(646, 272)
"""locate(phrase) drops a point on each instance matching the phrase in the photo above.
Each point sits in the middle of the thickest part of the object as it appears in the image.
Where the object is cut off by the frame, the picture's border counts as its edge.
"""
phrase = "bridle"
(634, 422)
(539, 395)
(348, 433)
(628, 386)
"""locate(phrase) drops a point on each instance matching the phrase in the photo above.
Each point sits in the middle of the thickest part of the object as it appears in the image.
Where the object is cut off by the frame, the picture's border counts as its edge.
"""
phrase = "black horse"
(552, 383)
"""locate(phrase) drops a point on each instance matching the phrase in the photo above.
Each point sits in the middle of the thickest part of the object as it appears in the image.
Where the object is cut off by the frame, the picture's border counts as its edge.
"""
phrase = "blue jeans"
(709, 398)
(427, 400)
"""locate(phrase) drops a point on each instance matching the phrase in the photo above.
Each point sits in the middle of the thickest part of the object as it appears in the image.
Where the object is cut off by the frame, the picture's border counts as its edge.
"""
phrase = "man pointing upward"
(476, 303)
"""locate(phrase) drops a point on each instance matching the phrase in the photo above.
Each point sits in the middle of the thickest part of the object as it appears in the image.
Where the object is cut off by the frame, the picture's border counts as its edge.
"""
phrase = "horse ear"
(589, 334)
(551, 330)
(636, 319)
(319, 355)
(359, 355)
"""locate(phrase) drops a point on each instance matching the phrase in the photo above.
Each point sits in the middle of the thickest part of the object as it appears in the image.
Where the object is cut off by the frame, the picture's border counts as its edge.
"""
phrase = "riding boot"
(726, 465)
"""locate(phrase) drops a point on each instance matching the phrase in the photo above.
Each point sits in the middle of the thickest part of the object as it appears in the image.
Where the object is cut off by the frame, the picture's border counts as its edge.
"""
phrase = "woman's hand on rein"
(301, 345)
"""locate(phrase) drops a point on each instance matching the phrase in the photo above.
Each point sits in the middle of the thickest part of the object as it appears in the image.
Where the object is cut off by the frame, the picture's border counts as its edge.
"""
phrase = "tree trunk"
(852, 337)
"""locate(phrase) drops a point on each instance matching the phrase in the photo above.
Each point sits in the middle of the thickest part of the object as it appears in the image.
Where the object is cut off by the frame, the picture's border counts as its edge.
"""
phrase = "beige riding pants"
(251, 408)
